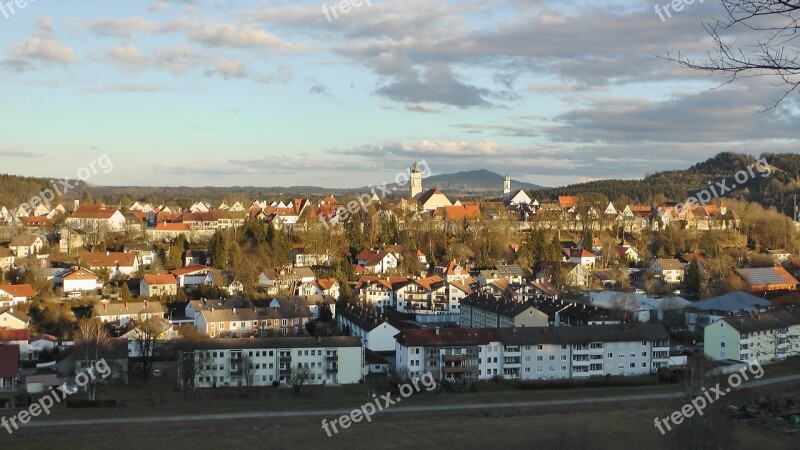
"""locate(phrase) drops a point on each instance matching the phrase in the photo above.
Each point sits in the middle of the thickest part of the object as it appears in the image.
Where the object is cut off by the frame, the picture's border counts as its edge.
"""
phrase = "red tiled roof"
(17, 290)
(93, 212)
(159, 279)
(111, 259)
(172, 227)
(567, 201)
(189, 269)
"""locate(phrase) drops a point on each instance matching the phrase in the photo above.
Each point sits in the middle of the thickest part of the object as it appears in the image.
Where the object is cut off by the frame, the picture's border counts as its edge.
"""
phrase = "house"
(330, 359)
(118, 264)
(325, 286)
(511, 273)
(376, 291)
(542, 289)
(575, 274)
(533, 353)
(156, 285)
(9, 368)
(373, 328)
(287, 317)
(70, 239)
(487, 311)
(24, 245)
(194, 275)
(581, 256)
(96, 218)
(763, 337)
(113, 353)
(287, 279)
(519, 198)
(450, 270)
(160, 331)
(763, 279)
(224, 280)
(12, 294)
(699, 314)
(423, 296)
(671, 270)
(79, 280)
(639, 306)
(13, 319)
(7, 258)
(457, 290)
(625, 251)
(377, 261)
(303, 257)
(123, 313)
(144, 252)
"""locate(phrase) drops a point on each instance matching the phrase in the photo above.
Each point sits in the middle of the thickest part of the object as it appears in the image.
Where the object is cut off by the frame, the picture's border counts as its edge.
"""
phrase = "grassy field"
(596, 425)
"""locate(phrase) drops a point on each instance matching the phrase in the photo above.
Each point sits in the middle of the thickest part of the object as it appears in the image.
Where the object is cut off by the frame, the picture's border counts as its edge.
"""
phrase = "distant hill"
(474, 181)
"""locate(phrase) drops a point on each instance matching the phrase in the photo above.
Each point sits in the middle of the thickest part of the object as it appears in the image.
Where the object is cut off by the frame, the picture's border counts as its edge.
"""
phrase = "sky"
(279, 93)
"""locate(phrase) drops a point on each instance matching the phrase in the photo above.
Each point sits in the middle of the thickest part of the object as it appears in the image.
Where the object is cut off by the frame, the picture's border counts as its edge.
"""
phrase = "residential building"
(159, 331)
(325, 286)
(224, 280)
(764, 336)
(7, 258)
(371, 326)
(423, 296)
(487, 311)
(287, 317)
(263, 361)
(534, 353)
(116, 263)
(13, 294)
(13, 319)
(581, 256)
(699, 314)
(304, 257)
(123, 313)
(79, 280)
(9, 368)
(156, 285)
(194, 275)
(96, 219)
(377, 261)
(670, 270)
(24, 245)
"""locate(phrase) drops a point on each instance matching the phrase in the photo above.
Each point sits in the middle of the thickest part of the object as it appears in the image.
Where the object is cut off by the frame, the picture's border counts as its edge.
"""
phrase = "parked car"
(679, 348)
(638, 291)
(156, 373)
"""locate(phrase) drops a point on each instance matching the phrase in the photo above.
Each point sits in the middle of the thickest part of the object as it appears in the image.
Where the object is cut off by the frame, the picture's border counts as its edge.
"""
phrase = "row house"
(369, 325)
(487, 311)
(287, 317)
(264, 361)
(96, 218)
(536, 353)
(763, 337)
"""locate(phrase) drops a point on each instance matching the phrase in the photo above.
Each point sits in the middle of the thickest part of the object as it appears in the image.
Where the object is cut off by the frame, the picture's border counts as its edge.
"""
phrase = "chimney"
(107, 253)
(234, 310)
(437, 331)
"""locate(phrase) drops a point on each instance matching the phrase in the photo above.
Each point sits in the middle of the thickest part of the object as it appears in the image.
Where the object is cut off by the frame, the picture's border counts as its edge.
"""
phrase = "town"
(265, 294)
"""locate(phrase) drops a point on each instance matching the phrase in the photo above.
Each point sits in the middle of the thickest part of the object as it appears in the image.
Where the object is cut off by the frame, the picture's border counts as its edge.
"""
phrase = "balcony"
(332, 357)
(285, 359)
(454, 358)
(454, 369)
(744, 341)
(332, 369)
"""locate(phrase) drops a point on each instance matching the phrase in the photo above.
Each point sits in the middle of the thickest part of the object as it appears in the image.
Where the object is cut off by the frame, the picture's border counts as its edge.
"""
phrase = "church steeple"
(506, 187)
(416, 180)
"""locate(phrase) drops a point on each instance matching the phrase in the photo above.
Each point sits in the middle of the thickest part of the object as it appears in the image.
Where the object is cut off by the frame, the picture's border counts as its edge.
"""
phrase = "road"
(396, 409)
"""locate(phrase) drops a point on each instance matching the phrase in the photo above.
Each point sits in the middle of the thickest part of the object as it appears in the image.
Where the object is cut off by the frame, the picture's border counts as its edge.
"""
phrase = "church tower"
(506, 188)
(416, 180)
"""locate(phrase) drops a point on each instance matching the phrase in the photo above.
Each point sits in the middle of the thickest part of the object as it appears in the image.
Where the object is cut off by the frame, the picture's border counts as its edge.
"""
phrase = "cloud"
(19, 154)
(132, 88)
(437, 85)
(231, 68)
(319, 89)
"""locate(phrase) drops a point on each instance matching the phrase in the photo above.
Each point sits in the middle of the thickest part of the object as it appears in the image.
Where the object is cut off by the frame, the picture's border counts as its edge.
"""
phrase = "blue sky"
(227, 92)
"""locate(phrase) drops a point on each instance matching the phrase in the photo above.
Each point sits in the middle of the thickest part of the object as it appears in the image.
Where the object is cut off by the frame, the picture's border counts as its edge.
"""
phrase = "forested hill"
(776, 189)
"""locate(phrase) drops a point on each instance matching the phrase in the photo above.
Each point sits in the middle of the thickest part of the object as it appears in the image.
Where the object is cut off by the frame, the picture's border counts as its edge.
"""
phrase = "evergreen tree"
(218, 251)
(693, 281)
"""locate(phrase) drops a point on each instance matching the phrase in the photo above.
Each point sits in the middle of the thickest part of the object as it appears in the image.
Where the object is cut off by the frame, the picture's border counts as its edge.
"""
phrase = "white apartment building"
(534, 353)
(762, 336)
(260, 362)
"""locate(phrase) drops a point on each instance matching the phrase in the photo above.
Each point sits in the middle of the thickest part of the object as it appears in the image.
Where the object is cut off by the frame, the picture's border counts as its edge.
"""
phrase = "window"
(633, 355)
(538, 358)
(644, 365)
(644, 353)
(610, 355)
(563, 357)
(552, 357)
(563, 368)
(540, 346)
(722, 344)
(633, 365)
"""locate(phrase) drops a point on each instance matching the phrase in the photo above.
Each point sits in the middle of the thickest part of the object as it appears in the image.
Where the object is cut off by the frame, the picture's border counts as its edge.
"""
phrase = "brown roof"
(159, 279)
(670, 264)
(93, 212)
(23, 240)
(108, 259)
(79, 274)
(774, 320)
(17, 290)
(278, 342)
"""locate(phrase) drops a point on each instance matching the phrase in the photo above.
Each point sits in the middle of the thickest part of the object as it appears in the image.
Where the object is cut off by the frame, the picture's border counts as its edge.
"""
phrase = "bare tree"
(248, 371)
(300, 375)
(701, 432)
(93, 336)
(773, 25)
(147, 335)
(623, 305)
